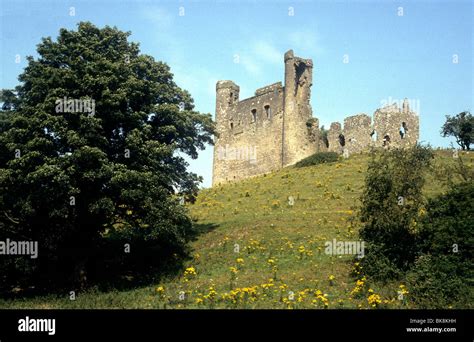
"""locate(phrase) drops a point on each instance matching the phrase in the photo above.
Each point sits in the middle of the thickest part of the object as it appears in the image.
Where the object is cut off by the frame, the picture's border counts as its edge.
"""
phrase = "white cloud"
(250, 64)
(158, 16)
(255, 55)
(308, 42)
(161, 23)
(267, 53)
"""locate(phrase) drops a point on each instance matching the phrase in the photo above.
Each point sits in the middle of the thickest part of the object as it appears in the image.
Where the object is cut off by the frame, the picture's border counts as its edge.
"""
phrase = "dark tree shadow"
(109, 267)
(201, 228)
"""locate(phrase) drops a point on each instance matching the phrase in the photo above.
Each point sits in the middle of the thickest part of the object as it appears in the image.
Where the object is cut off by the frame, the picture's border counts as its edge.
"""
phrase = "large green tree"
(106, 165)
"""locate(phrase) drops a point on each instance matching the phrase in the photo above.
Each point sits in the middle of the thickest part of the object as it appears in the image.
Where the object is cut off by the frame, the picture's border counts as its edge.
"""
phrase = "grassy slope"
(251, 220)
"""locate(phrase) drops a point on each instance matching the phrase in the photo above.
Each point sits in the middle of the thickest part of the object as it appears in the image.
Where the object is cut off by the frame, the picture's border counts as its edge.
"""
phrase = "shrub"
(378, 265)
(427, 244)
(318, 158)
(447, 225)
(390, 208)
(440, 281)
(443, 273)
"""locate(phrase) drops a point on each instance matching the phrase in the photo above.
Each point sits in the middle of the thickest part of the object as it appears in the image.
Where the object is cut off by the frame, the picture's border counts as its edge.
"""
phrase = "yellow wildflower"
(374, 300)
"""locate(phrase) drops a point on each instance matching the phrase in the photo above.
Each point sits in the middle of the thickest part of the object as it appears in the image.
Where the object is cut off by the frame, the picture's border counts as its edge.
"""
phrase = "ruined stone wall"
(334, 138)
(275, 128)
(396, 127)
(265, 132)
(392, 127)
(298, 137)
(357, 130)
(251, 142)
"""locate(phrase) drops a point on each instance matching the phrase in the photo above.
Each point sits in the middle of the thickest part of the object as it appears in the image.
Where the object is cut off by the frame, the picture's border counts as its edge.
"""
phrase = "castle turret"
(227, 96)
(297, 142)
(289, 73)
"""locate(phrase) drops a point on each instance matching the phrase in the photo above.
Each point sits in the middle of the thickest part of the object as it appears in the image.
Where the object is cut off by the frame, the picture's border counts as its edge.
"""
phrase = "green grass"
(253, 221)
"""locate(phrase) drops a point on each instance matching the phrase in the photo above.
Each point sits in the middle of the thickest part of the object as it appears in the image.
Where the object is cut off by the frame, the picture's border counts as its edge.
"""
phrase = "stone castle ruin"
(275, 128)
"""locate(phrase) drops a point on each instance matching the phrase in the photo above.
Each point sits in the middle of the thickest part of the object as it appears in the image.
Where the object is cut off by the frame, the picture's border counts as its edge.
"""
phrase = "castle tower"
(227, 96)
(297, 141)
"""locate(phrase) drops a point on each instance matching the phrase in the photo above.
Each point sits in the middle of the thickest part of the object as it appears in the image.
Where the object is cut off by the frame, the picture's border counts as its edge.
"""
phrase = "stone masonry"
(275, 128)
(392, 127)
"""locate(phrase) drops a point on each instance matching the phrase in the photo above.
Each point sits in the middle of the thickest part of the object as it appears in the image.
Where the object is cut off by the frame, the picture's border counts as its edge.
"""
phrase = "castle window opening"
(231, 99)
(268, 111)
(373, 135)
(403, 130)
(299, 79)
(386, 140)
(254, 115)
(342, 140)
(231, 125)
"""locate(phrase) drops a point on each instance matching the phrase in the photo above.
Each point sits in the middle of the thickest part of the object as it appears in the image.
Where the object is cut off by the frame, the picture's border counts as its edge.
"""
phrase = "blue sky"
(390, 56)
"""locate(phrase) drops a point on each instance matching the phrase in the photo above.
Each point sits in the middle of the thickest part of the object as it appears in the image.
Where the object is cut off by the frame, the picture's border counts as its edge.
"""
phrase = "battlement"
(268, 89)
(226, 85)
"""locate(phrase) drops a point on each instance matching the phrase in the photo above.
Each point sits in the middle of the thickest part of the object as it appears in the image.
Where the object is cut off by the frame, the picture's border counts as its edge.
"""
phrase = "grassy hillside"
(255, 250)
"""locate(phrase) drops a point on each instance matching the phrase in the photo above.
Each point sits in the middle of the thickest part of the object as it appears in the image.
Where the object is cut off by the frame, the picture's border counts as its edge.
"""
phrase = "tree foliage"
(71, 180)
(426, 244)
(443, 273)
(461, 127)
(392, 203)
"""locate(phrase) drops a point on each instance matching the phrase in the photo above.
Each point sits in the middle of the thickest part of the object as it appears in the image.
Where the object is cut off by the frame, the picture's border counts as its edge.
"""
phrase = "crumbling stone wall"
(298, 138)
(396, 127)
(357, 130)
(250, 132)
(275, 128)
(275, 125)
(335, 138)
(392, 127)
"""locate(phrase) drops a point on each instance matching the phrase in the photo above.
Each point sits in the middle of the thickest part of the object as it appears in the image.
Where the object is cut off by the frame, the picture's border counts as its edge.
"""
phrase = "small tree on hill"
(461, 127)
(391, 205)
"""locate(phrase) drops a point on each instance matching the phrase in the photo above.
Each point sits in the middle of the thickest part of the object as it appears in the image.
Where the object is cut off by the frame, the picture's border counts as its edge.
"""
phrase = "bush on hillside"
(443, 273)
(427, 245)
(391, 204)
(440, 281)
(318, 158)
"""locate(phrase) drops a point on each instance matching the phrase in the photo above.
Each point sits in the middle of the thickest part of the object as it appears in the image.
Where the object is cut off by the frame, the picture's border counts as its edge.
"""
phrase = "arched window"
(254, 115)
(268, 111)
(231, 125)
